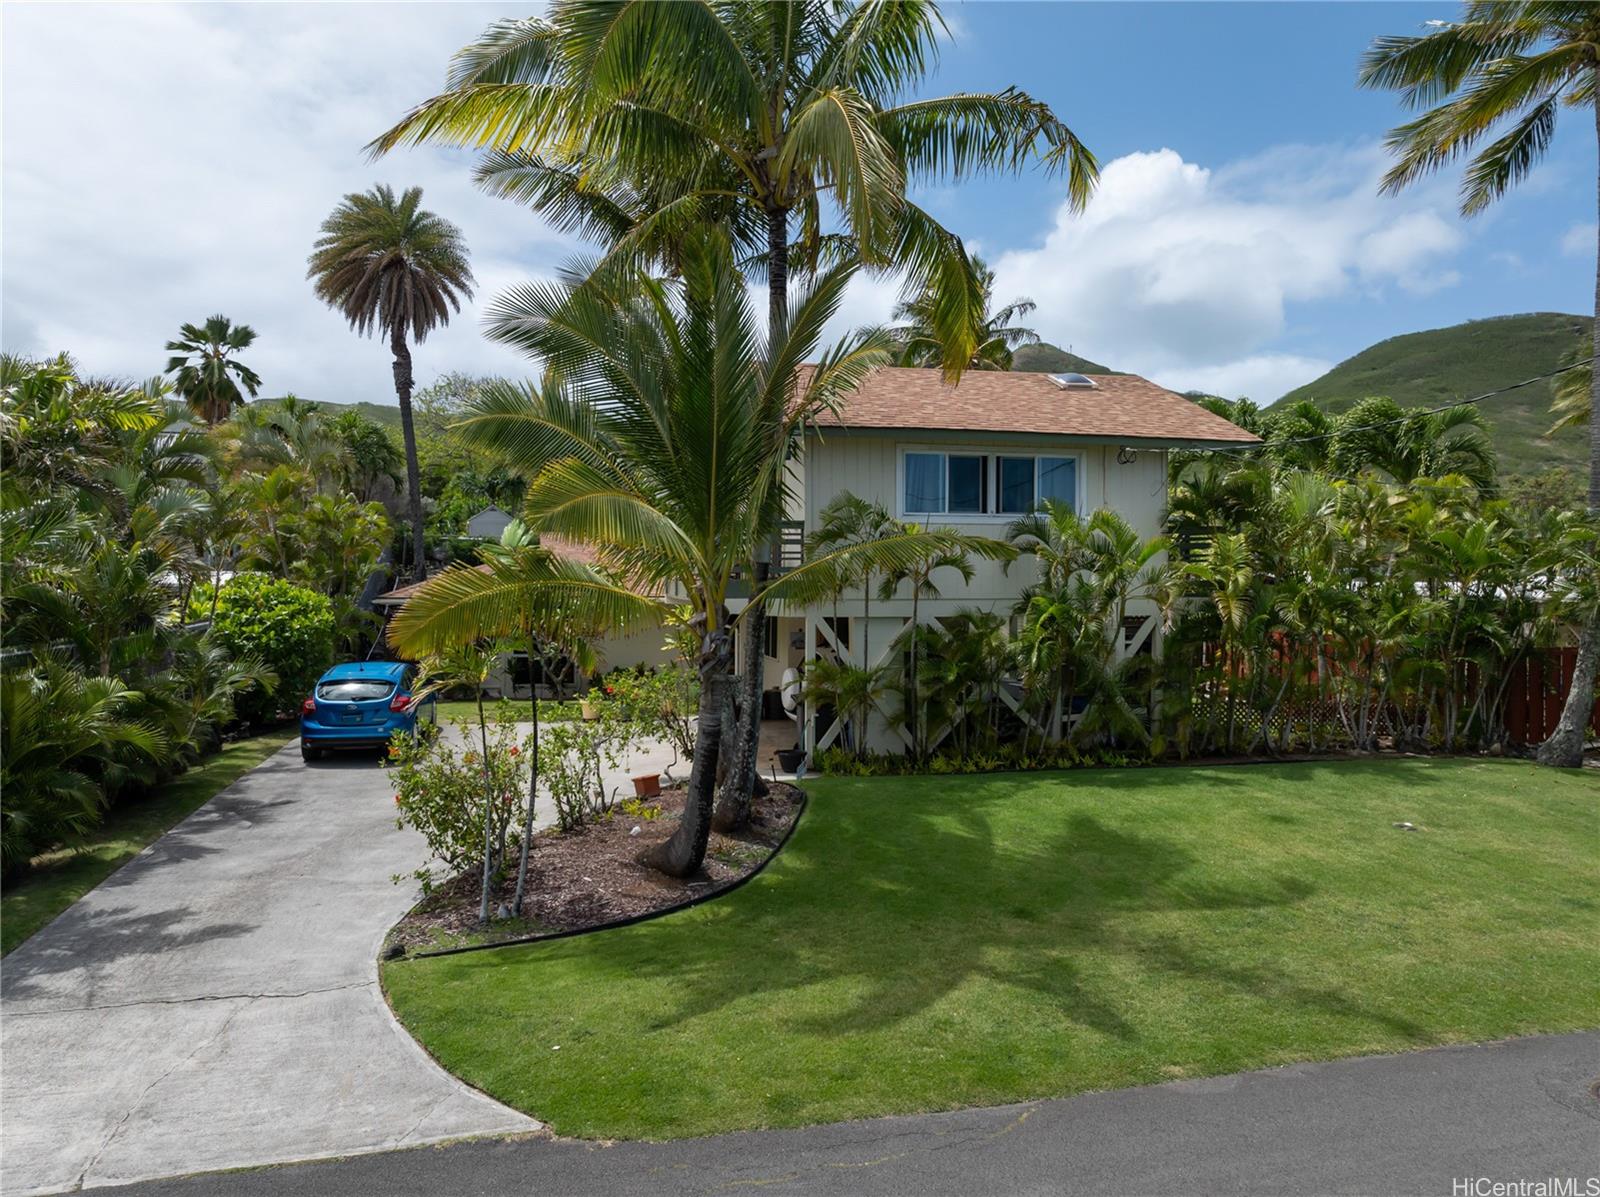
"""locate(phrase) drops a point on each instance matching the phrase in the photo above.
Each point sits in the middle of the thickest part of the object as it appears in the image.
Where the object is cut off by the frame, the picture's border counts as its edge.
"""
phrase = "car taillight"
(308, 706)
(400, 703)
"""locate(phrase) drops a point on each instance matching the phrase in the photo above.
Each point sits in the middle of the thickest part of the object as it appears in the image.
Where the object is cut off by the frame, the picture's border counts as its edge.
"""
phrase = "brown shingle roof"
(1120, 407)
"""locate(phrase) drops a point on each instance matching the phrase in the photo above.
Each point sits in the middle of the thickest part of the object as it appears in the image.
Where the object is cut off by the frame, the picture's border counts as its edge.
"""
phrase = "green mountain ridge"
(1045, 358)
(1446, 365)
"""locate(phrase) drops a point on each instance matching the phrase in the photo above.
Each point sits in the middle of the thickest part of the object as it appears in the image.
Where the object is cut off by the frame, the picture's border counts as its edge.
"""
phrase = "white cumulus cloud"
(1190, 275)
(183, 164)
(1579, 241)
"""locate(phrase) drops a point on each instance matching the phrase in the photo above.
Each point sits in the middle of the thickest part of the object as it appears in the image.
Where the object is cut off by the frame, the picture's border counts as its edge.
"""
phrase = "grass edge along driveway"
(930, 943)
(57, 879)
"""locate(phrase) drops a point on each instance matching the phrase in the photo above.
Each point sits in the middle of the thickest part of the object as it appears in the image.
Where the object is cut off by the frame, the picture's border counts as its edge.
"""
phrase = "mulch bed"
(592, 875)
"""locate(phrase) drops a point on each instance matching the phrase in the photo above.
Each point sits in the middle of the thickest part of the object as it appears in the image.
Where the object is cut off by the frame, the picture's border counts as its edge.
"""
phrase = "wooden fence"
(1536, 693)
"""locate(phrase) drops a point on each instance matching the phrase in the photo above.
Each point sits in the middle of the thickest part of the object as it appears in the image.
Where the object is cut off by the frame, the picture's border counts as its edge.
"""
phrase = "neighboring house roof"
(398, 596)
(1118, 407)
(488, 523)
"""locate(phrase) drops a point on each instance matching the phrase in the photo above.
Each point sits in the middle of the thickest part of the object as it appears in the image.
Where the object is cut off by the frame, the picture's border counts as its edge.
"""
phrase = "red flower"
(515, 751)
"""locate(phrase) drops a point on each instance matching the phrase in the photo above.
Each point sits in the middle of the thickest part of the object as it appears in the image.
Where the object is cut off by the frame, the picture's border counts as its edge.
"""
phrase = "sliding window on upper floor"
(993, 485)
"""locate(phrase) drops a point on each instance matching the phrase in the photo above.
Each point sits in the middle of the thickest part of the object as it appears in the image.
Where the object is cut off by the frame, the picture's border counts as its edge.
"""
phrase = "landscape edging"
(630, 920)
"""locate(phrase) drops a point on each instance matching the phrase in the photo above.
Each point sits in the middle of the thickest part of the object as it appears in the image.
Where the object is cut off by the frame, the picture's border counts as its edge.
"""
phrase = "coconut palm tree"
(391, 267)
(746, 116)
(1509, 64)
(660, 437)
(1572, 400)
(631, 123)
(206, 368)
(998, 334)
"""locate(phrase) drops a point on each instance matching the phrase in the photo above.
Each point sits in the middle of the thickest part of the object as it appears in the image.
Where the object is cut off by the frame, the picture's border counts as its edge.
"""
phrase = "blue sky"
(1238, 244)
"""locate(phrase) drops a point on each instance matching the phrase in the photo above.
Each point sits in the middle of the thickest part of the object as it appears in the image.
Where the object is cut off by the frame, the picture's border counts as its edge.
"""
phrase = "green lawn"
(548, 710)
(923, 944)
(58, 879)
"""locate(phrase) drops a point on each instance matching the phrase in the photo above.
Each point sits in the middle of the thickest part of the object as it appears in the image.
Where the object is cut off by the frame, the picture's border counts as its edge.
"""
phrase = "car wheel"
(308, 753)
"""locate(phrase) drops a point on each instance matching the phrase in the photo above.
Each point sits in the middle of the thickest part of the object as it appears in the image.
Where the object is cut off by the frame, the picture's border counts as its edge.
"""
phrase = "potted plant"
(790, 759)
(647, 785)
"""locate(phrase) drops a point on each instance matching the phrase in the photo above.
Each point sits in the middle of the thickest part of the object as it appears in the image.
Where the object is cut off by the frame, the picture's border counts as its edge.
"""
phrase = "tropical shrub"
(659, 703)
(62, 732)
(439, 785)
(288, 627)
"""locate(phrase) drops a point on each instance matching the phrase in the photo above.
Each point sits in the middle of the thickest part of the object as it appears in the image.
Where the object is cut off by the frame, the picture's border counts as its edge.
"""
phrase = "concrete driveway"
(215, 1003)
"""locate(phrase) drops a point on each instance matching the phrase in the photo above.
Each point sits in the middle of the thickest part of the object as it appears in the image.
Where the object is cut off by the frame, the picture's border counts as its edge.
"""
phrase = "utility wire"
(1410, 414)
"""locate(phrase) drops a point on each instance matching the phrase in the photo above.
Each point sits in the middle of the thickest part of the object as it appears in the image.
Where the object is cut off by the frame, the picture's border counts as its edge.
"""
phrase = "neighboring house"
(514, 674)
(974, 457)
(488, 524)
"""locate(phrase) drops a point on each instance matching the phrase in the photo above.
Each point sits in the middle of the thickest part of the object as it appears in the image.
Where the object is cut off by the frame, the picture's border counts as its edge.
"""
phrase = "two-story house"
(971, 457)
(974, 457)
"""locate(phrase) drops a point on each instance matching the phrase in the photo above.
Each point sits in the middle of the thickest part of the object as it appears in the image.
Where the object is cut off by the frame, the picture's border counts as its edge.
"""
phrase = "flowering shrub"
(440, 791)
(662, 704)
(573, 757)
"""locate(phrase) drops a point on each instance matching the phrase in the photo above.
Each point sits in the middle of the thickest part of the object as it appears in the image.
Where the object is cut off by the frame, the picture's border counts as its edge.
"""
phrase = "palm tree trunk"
(488, 813)
(402, 389)
(683, 854)
(915, 711)
(1564, 748)
(533, 774)
(741, 779)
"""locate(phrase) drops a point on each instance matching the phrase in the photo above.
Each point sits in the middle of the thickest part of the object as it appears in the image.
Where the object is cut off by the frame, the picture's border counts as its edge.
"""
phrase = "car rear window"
(353, 690)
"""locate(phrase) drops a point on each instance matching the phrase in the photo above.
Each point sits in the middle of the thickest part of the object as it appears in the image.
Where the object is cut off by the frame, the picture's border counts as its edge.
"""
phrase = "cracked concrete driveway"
(215, 1003)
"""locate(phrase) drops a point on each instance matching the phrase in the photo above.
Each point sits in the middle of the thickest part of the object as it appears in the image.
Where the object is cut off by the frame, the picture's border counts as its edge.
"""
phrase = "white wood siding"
(868, 465)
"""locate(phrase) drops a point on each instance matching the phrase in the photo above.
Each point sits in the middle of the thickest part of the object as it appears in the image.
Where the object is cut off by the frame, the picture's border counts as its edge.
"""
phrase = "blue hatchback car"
(360, 705)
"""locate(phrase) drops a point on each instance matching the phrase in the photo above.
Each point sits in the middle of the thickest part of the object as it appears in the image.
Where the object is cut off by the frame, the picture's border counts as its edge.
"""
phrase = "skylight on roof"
(1064, 381)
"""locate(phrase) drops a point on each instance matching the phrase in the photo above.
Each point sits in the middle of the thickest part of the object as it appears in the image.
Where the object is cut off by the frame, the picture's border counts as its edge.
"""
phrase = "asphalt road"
(215, 1002)
(1411, 1124)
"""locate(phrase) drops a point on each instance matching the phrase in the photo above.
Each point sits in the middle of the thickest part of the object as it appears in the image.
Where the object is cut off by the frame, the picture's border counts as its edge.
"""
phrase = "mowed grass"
(55, 880)
(549, 710)
(923, 944)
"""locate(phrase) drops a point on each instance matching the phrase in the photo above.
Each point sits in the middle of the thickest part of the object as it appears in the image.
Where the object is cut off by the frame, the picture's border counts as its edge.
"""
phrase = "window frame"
(991, 483)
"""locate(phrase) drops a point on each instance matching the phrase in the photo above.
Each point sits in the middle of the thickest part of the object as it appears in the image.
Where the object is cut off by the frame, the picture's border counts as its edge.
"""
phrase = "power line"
(1410, 414)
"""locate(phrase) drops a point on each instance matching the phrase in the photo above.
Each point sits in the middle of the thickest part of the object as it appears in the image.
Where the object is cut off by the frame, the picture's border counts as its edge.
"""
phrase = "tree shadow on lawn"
(894, 905)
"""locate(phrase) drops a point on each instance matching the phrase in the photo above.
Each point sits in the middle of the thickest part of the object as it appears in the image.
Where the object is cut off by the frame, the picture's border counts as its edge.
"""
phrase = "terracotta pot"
(648, 786)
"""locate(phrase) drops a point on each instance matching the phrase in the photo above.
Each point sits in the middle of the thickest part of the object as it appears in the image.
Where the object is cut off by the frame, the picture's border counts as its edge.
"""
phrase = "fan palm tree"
(998, 334)
(206, 368)
(391, 267)
(1505, 63)
(660, 437)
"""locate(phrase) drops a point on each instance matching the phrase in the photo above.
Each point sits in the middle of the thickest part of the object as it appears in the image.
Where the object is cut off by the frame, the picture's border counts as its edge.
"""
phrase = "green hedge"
(289, 627)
